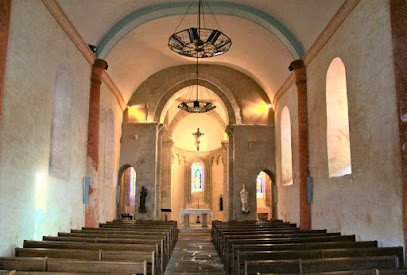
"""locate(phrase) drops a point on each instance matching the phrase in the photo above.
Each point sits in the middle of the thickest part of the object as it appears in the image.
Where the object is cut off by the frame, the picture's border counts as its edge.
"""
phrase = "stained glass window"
(197, 177)
(261, 177)
(132, 182)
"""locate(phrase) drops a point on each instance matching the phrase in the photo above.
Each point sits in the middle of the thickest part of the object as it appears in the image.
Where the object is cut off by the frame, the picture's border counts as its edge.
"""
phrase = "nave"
(245, 247)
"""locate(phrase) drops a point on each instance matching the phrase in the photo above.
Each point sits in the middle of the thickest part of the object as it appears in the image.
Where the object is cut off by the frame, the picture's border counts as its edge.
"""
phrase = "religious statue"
(244, 197)
(143, 196)
(197, 135)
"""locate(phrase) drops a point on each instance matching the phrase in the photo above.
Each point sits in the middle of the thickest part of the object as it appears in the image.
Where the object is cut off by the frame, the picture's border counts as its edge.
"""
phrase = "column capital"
(97, 69)
(299, 69)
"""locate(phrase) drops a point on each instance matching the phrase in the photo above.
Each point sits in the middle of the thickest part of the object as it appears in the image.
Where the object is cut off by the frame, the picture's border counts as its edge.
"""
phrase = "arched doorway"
(126, 192)
(266, 196)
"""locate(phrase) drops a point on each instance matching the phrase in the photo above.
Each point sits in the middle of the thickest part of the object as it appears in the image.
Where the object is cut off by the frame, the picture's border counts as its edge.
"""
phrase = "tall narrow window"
(132, 182)
(197, 177)
(261, 178)
(286, 156)
(339, 158)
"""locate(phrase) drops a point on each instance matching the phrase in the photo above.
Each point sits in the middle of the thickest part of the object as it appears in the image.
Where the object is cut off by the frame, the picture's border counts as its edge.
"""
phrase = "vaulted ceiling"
(266, 34)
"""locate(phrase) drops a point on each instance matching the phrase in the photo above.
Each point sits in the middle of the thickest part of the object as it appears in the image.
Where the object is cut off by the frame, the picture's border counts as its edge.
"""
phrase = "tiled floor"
(194, 253)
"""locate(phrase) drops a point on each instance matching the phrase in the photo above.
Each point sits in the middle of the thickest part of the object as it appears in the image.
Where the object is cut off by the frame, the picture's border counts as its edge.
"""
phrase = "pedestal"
(204, 220)
(186, 220)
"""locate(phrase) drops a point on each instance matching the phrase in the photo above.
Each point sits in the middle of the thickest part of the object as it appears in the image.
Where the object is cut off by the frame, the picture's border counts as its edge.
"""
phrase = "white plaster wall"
(111, 117)
(32, 203)
(288, 204)
(368, 202)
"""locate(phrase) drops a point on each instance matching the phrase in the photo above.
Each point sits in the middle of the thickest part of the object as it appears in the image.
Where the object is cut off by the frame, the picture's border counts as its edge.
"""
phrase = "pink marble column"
(5, 10)
(91, 209)
(303, 150)
(398, 15)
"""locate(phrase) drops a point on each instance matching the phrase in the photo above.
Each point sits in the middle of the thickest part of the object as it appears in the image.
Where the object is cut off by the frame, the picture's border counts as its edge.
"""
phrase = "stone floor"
(194, 253)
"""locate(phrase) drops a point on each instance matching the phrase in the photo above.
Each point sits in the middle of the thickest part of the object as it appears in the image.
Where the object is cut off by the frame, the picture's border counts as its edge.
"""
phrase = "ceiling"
(262, 32)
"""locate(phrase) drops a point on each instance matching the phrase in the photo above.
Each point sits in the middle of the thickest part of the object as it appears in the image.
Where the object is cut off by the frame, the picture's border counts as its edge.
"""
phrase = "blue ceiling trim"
(132, 21)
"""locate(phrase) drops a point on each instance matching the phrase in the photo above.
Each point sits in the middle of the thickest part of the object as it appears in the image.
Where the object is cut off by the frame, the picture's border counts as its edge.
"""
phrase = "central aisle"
(194, 253)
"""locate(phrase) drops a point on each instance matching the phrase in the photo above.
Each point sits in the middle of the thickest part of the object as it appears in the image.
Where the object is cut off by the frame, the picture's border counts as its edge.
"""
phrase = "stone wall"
(138, 149)
(32, 202)
(252, 149)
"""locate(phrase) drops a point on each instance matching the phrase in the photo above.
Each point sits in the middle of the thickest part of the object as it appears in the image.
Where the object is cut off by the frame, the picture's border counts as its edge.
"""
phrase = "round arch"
(208, 81)
(137, 18)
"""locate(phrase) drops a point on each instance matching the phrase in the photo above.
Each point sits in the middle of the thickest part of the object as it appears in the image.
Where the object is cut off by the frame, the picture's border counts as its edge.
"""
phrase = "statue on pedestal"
(143, 196)
(244, 197)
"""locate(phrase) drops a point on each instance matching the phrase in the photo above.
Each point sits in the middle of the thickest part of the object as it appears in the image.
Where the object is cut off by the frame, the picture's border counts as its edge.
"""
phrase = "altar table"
(187, 212)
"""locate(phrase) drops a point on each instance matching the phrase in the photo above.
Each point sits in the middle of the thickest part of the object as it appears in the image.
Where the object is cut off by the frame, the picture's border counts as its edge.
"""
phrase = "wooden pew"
(293, 246)
(101, 255)
(225, 252)
(321, 265)
(99, 246)
(243, 256)
(71, 265)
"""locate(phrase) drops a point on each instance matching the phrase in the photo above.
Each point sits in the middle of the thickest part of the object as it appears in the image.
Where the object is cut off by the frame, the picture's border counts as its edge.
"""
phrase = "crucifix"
(197, 135)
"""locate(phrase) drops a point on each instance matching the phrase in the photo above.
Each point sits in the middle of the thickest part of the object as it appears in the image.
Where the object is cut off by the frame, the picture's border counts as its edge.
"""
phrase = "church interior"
(296, 116)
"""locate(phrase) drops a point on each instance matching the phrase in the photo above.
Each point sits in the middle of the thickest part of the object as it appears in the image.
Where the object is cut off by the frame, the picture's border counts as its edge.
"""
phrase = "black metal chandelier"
(196, 106)
(199, 42)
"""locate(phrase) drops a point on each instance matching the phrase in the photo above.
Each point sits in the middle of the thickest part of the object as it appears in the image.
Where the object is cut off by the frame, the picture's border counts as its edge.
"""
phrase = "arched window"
(286, 155)
(197, 177)
(339, 158)
(261, 178)
(60, 142)
(132, 182)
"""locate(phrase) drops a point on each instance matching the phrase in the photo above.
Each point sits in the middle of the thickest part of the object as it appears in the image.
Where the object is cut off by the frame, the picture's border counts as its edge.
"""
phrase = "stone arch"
(206, 80)
(137, 18)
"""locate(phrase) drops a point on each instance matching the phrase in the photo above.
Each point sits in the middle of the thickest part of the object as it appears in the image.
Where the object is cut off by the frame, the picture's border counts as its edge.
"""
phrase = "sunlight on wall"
(40, 201)
(133, 177)
(137, 114)
(286, 154)
(339, 156)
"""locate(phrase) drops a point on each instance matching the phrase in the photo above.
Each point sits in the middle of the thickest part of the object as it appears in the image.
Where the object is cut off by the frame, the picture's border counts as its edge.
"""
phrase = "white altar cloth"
(195, 212)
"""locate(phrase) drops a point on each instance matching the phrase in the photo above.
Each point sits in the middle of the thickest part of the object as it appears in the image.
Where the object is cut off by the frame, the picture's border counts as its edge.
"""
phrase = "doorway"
(126, 193)
(266, 194)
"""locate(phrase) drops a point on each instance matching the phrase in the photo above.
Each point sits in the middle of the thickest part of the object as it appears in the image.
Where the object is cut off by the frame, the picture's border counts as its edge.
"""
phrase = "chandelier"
(199, 42)
(196, 106)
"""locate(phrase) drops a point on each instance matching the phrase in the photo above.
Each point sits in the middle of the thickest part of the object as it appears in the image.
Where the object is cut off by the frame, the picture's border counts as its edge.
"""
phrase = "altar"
(187, 212)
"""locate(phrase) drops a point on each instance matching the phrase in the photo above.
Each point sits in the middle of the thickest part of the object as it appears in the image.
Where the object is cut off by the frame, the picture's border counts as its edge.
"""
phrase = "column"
(5, 11)
(303, 150)
(398, 11)
(91, 209)
(225, 152)
(166, 156)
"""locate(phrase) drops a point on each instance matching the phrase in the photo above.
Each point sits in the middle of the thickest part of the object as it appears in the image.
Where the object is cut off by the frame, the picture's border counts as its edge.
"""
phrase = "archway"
(126, 192)
(266, 196)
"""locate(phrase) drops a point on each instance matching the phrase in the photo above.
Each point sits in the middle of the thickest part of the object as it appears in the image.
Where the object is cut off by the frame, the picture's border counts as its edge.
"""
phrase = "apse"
(195, 144)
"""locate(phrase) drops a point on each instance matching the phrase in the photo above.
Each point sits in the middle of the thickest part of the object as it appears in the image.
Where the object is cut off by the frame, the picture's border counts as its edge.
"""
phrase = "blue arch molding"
(132, 21)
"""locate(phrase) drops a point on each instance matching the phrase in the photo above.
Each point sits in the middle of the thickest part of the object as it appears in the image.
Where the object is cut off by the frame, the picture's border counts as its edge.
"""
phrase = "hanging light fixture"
(199, 42)
(196, 106)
